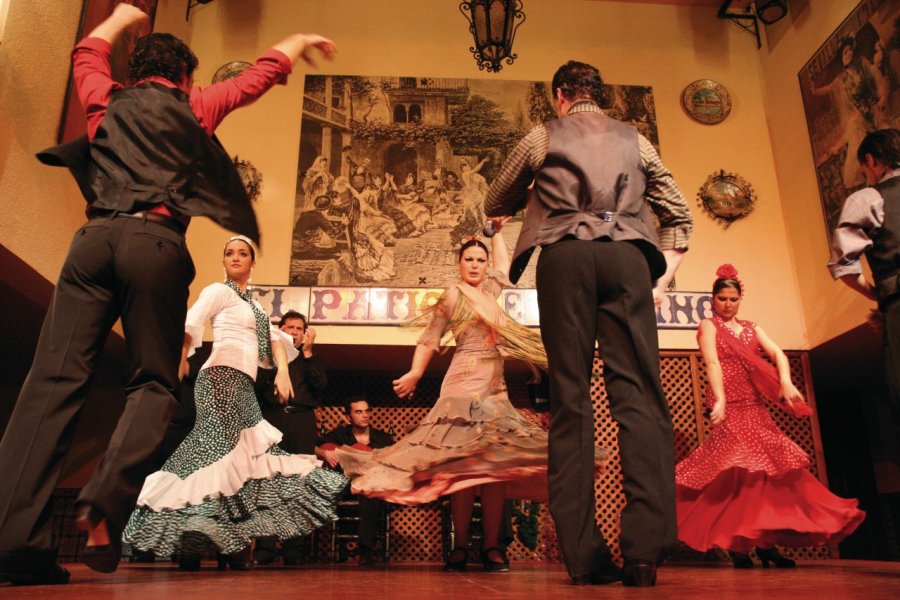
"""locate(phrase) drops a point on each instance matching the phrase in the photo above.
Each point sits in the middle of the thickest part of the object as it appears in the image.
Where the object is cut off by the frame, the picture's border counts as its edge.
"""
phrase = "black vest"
(150, 150)
(590, 187)
(884, 254)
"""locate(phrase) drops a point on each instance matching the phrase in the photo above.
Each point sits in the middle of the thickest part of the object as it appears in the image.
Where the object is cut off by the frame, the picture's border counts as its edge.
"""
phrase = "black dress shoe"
(50, 574)
(602, 576)
(457, 560)
(105, 558)
(639, 573)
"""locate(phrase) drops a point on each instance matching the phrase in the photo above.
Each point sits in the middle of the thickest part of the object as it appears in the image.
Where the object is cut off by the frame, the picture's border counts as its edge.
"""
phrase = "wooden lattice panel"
(416, 532)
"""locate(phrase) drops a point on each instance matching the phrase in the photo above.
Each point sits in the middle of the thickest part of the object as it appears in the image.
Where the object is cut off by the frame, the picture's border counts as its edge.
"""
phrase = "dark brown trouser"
(587, 291)
(116, 267)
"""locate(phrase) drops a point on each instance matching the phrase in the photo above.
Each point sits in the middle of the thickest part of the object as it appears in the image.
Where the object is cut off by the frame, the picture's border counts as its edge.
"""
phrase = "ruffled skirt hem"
(741, 509)
(250, 459)
(283, 507)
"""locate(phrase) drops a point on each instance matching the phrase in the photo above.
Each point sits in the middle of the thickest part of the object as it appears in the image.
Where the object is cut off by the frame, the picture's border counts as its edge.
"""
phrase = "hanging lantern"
(493, 25)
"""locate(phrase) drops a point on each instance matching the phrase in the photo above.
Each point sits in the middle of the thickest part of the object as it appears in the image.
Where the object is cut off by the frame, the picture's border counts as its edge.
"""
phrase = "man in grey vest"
(870, 225)
(595, 182)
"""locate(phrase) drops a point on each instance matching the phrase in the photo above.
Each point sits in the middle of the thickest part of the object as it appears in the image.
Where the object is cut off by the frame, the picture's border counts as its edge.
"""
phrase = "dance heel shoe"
(103, 558)
(767, 555)
(740, 560)
(238, 561)
(189, 562)
(457, 560)
(639, 573)
(489, 560)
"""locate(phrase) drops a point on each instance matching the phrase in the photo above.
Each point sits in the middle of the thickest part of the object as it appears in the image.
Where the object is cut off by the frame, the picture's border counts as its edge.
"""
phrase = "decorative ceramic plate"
(229, 70)
(726, 197)
(706, 101)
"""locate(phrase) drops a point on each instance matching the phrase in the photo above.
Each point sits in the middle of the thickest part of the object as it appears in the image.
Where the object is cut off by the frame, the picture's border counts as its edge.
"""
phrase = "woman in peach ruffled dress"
(473, 442)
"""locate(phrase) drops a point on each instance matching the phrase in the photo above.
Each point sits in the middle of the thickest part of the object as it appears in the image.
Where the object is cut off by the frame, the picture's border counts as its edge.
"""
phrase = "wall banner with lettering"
(336, 305)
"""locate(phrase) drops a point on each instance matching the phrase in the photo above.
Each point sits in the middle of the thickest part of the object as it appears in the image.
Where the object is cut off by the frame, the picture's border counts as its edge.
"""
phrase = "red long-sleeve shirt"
(95, 85)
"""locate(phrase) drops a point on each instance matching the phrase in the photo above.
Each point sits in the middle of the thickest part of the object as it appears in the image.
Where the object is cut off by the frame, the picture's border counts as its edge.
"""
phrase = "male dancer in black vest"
(870, 225)
(146, 166)
(593, 180)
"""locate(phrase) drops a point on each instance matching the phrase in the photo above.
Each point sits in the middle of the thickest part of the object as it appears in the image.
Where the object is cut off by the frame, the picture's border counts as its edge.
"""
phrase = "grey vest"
(884, 254)
(590, 187)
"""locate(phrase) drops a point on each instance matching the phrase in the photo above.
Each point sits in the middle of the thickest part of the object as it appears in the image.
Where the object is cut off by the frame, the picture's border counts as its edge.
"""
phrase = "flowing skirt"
(229, 482)
(747, 486)
(466, 440)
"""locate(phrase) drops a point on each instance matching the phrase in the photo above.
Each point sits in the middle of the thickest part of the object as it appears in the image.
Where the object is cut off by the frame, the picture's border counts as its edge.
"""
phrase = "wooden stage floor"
(822, 580)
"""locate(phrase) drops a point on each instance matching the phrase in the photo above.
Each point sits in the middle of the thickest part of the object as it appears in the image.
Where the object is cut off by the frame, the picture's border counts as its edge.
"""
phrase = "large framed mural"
(850, 87)
(393, 171)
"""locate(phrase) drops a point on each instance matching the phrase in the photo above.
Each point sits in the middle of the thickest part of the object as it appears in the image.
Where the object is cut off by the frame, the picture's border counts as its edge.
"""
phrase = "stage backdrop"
(393, 171)
(851, 86)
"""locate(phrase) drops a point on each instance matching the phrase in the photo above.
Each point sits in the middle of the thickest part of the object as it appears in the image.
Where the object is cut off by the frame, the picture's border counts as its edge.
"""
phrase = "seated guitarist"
(359, 434)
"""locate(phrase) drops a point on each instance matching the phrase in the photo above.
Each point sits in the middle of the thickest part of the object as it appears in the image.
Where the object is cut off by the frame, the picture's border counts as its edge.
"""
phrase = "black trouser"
(587, 291)
(891, 354)
(299, 437)
(116, 267)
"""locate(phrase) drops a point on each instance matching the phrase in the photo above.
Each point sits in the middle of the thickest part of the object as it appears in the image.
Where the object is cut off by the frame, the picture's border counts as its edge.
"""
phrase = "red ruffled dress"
(747, 485)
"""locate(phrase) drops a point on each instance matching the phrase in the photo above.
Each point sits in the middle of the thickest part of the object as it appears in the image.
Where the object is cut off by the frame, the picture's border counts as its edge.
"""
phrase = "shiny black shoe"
(639, 573)
(610, 573)
(490, 564)
(767, 555)
(32, 567)
(189, 562)
(457, 560)
(740, 560)
(105, 558)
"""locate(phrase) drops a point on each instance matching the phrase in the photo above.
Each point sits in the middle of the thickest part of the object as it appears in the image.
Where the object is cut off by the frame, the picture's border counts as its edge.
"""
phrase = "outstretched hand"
(322, 44)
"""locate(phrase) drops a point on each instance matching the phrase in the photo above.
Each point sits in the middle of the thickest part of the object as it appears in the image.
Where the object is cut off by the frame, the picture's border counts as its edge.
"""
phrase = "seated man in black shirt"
(296, 420)
(360, 434)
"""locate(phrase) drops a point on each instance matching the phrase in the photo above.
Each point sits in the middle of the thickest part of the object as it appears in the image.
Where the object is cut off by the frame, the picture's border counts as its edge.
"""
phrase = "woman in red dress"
(748, 485)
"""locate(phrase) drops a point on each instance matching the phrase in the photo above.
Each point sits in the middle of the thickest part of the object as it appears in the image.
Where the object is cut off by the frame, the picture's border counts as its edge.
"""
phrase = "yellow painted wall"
(663, 46)
(830, 308)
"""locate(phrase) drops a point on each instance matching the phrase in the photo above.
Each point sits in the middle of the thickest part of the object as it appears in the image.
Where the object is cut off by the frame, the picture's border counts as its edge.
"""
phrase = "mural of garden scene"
(393, 171)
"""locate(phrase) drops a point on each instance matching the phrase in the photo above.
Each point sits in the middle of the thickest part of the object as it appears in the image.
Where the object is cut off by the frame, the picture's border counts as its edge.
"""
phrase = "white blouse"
(235, 343)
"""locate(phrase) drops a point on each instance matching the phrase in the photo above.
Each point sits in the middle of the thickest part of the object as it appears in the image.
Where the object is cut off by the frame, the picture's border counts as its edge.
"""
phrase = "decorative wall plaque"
(706, 101)
(726, 197)
(229, 70)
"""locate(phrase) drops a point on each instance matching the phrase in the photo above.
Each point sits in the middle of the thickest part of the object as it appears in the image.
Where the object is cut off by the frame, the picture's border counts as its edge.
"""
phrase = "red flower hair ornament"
(728, 271)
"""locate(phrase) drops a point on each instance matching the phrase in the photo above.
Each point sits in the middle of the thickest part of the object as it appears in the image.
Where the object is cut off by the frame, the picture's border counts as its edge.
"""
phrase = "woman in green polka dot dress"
(228, 482)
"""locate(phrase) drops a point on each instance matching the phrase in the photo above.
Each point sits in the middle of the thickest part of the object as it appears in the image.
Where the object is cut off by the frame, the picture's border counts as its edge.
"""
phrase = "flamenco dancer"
(130, 261)
(229, 482)
(748, 485)
(473, 441)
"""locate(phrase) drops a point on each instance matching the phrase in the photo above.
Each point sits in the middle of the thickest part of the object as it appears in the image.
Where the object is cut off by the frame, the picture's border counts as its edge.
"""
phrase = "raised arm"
(300, 46)
(498, 245)
(707, 339)
(123, 17)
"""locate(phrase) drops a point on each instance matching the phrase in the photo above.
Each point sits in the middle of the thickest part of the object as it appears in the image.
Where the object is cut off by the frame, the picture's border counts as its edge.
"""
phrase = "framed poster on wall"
(850, 87)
